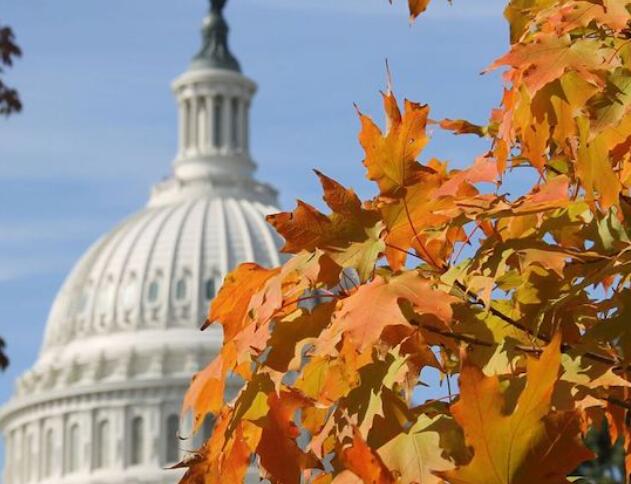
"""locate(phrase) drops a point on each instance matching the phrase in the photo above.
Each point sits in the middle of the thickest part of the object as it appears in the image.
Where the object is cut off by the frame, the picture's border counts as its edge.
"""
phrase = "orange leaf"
(483, 170)
(391, 159)
(552, 194)
(531, 444)
(206, 393)
(417, 7)
(222, 459)
(363, 316)
(365, 463)
(231, 305)
(549, 55)
(462, 126)
(280, 455)
(350, 236)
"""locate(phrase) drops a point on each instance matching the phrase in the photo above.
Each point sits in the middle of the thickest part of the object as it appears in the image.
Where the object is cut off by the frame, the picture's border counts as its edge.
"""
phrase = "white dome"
(159, 269)
(122, 339)
(101, 404)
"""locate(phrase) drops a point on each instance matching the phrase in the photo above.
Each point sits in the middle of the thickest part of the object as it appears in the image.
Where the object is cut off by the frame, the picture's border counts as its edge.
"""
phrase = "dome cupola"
(214, 102)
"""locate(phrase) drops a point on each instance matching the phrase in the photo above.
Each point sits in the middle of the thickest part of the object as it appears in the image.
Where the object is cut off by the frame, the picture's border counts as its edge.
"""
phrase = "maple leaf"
(548, 56)
(231, 305)
(365, 463)
(222, 460)
(331, 346)
(462, 126)
(417, 7)
(531, 444)
(391, 158)
(280, 454)
(430, 204)
(364, 315)
(206, 392)
(416, 454)
(576, 14)
(292, 333)
(552, 194)
(594, 169)
(351, 236)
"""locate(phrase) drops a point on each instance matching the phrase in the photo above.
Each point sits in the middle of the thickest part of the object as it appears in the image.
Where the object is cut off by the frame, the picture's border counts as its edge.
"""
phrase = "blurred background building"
(101, 404)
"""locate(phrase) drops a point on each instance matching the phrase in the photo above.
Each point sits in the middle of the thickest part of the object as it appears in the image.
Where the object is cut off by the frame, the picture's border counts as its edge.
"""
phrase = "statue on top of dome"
(217, 6)
(215, 52)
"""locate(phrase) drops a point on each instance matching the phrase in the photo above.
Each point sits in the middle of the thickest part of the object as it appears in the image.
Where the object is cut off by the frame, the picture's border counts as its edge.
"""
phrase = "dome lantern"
(213, 102)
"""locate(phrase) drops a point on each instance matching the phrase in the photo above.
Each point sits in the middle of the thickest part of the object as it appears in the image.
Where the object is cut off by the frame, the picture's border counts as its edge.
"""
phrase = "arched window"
(210, 289)
(218, 122)
(72, 449)
(102, 448)
(180, 289)
(154, 291)
(49, 451)
(173, 448)
(137, 441)
(129, 292)
(106, 294)
(234, 122)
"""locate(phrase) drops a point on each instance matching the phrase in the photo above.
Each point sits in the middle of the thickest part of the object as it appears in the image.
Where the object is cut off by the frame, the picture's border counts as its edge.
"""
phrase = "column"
(202, 125)
(193, 144)
(38, 449)
(245, 140)
(41, 445)
(87, 429)
(217, 124)
(10, 456)
(182, 127)
(209, 123)
(119, 424)
(225, 121)
(154, 435)
(241, 125)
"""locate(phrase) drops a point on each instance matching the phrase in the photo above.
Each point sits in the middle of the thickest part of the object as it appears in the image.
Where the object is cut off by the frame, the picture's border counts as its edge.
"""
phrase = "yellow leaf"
(531, 444)
(391, 158)
(415, 455)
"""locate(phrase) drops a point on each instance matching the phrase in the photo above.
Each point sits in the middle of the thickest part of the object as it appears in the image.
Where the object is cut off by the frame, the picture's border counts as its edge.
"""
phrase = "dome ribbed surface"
(160, 268)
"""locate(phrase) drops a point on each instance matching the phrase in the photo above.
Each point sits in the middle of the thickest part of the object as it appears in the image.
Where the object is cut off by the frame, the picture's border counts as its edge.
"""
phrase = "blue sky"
(99, 124)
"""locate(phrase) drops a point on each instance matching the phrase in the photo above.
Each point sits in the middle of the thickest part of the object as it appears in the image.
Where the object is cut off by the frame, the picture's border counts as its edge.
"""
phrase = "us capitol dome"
(101, 404)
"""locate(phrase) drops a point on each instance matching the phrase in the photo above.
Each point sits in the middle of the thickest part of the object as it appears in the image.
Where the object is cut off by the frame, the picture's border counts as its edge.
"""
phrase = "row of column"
(84, 442)
(213, 123)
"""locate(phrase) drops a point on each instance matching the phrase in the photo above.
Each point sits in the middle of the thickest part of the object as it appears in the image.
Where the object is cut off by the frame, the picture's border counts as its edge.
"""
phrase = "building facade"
(102, 402)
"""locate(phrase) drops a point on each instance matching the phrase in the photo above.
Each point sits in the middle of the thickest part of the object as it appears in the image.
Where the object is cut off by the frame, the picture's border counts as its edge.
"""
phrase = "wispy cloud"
(82, 152)
(37, 231)
(39, 247)
(13, 268)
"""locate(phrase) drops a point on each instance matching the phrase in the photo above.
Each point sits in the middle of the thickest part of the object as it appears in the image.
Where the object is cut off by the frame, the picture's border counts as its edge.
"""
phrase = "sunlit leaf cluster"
(519, 304)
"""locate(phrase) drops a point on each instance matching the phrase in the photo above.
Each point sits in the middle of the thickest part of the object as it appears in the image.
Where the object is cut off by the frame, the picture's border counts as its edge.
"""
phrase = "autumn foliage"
(520, 304)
